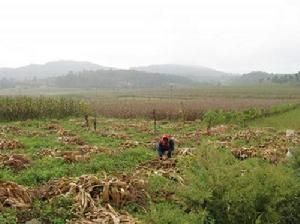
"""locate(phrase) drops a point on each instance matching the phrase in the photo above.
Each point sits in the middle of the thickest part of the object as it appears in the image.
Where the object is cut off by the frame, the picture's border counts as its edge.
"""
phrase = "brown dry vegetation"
(105, 193)
(173, 109)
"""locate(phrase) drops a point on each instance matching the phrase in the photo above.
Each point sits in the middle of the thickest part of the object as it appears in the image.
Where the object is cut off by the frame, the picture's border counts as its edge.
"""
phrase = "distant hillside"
(257, 77)
(198, 73)
(49, 69)
(254, 77)
(117, 79)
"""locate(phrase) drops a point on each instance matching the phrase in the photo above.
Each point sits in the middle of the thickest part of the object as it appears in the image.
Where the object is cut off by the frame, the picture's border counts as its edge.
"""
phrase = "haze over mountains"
(50, 69)
(81, 74)
(198, 73)
(111, 79)
(58, 68)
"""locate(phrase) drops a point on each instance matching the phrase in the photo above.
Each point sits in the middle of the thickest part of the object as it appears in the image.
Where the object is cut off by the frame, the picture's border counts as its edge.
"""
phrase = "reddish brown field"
(174, 109)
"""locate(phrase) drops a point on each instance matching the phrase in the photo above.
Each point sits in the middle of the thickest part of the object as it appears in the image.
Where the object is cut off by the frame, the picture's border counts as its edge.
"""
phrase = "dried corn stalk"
(74, 140)
(83, 154)
(105, 215)
(116, 191)
(16, 162)
(166, 168)
(263, 143)
(185, 151)
(129, 144)
(10, 144)
(15, 196)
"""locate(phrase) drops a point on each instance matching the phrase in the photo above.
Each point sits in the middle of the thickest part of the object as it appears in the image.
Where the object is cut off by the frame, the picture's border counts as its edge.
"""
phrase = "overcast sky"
(231, 35)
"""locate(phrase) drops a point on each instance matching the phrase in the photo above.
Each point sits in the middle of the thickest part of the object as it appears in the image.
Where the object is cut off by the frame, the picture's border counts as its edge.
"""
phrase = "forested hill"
(117, 79)
(258, 77)
(199, 73)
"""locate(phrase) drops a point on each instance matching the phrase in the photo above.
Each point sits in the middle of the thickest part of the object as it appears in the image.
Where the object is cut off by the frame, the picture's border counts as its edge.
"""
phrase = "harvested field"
(10, 144)
(15, 196)
(82, 154)
(113, 175)
(265, 143)
(16, 162)
(176, 109)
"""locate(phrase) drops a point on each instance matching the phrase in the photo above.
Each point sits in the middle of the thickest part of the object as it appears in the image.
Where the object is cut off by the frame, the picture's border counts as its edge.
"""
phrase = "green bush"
(233, 191)
(215, 117)
(8, 216)
(57, 211)
(296, 158)
(168, 213)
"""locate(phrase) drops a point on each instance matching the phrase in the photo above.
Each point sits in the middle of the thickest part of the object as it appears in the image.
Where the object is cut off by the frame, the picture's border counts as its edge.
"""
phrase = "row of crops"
(22, 108)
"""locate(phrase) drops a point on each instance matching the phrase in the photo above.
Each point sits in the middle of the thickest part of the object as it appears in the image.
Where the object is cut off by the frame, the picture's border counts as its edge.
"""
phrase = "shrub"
(215, 117)
(169, 213)
(8, 216)
(56, 211)
(233, 191)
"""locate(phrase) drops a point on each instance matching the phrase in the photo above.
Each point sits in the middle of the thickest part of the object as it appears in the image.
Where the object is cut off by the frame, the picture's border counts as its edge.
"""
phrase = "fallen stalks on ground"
(82, 154)
(265, 143)
(10, 144)
(16, 162)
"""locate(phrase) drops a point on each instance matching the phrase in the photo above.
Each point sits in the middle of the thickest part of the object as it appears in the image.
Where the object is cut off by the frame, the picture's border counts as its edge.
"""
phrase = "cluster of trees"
(257, 77)
(288, 78)
(7, 83)
(116, 79)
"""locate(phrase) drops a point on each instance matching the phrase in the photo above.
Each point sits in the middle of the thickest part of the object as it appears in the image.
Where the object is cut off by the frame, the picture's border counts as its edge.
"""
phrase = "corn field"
(21, 108)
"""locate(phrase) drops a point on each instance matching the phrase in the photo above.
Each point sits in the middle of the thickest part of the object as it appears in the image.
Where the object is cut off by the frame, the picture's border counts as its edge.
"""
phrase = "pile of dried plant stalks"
(15, 196)
(82, 154)
(162, 167)
(185, 151)
(52, 127)
(68, 138)
(11, 129)
(183, 138)
(263, 143)
(17, 131)
(65, 136)
(115, 135)
(88, 193)
(139, 126)
(129, 144)
(16, 162)
(115, 191)
(104, 215)
(10, 144)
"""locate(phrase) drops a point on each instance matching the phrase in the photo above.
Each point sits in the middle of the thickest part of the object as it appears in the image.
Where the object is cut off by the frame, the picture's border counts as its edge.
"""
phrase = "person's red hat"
(166, 136)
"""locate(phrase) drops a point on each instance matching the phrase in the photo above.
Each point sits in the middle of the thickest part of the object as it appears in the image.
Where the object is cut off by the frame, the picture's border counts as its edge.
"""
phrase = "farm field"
(287, 120)
(203, 91)
(155, 112)
(59, 171)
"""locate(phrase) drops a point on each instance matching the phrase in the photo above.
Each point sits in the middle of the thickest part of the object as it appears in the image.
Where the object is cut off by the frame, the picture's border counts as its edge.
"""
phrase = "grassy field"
(230, 164)
(203, 91)
(288, 120)
(209, 172)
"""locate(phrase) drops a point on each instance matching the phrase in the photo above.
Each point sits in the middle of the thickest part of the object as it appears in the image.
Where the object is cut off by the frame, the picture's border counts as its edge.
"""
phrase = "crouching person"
(166, 145)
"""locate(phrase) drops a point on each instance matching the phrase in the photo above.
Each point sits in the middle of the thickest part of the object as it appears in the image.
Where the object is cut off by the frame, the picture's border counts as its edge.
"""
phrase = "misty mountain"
(254, 77)
(108, 79)
(199, 73)
(259, 77)
(54, 68)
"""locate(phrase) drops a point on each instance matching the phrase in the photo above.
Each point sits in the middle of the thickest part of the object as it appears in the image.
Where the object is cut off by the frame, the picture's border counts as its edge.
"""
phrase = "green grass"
(45, 169)
(214, 191)
(236, 91)
(288, 120)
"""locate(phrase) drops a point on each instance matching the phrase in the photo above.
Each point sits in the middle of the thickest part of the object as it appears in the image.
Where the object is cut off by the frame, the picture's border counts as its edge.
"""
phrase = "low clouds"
(235, 36)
